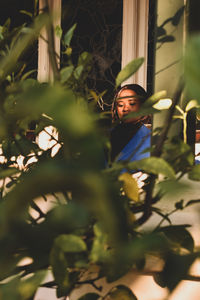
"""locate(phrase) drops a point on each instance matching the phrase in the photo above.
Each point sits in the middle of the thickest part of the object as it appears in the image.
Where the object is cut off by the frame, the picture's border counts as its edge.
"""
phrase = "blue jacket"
(134, 148)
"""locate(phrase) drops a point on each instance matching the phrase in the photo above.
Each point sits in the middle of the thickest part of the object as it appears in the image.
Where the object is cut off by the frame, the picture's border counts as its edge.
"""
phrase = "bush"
(97, 217)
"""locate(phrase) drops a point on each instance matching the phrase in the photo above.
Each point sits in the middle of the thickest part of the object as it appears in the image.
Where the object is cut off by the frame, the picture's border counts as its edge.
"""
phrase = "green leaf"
(16, 288)
(129, 70)
(66, 73)
(68, 35)
(120, 292)
(155, 98)
(153, 165)
(98, 252)
(191, 104)
(194, 174)
(192, 67)
(11, 61)
(66, 218)
(130, 186)
(70, 243)
(28, 287)
(8, 172)
(89, 296)
(27, 74)
(84, 58)
(178, 154)
(78, 71)
(58, 31)
(25, 12)
(173, 187)
(60, 271)
(144, 111)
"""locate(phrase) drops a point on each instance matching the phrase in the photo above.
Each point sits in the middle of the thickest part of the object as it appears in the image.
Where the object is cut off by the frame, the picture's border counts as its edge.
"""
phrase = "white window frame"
(135, 37)
(45, 72)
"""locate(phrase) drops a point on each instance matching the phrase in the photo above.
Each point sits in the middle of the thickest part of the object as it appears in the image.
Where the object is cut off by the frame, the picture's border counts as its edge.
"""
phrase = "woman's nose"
(126, 107)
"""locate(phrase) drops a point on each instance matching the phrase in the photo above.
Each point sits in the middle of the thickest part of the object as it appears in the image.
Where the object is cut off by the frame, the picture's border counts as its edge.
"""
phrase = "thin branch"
(170, 65)
(165, 217)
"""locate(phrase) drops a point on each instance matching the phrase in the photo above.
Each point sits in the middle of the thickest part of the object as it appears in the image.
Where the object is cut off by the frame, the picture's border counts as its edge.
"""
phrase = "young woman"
(130, 137)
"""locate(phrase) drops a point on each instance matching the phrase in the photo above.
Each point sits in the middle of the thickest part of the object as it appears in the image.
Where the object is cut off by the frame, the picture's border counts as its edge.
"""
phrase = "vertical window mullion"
(45, 72)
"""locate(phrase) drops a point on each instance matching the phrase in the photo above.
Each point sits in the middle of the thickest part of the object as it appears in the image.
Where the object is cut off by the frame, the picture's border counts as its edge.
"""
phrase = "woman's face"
(127, 105)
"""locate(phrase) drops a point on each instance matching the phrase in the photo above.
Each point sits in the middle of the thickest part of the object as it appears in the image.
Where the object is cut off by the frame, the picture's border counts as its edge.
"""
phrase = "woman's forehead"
(127, 96)
(126, 92)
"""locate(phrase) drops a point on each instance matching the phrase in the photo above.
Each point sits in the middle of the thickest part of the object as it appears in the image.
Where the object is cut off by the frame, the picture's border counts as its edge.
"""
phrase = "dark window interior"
(99, 32)
(10, 9)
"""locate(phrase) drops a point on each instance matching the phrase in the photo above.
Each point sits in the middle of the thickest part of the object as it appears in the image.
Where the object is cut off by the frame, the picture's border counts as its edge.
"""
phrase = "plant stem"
(158, 149)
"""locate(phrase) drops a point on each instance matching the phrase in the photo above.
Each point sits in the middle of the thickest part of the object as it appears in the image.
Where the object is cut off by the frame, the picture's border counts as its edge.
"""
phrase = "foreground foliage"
(61, 210)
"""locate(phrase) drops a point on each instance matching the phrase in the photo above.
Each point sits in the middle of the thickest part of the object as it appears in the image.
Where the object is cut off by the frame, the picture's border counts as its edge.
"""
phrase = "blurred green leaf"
(155, 98)
(99, 246)
(130, 186)
(116, 266)
(67, 218)
(58, 31)
(84, 58)
(9, 63)
(17, 289)
(78, 71)
(194, 174)
(144, 111)
(192, 67)
(60, 271)
(25, 12)
(153, 165)
(173, 187)
(129, 70)
(8, 172)
(66, 73)
(27, 74)
(191, 104)
(70, 243)
(178, 154)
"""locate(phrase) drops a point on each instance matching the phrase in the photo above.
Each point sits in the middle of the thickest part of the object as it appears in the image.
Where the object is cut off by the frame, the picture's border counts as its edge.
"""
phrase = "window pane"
(98, 31)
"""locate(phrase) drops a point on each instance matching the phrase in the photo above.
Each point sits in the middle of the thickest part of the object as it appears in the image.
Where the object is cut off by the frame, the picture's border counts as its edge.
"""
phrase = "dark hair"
(139, 90)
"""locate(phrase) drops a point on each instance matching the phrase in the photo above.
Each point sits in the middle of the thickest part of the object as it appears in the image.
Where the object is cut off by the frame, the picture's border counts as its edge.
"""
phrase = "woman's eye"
(132, 103)
(119, 105)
